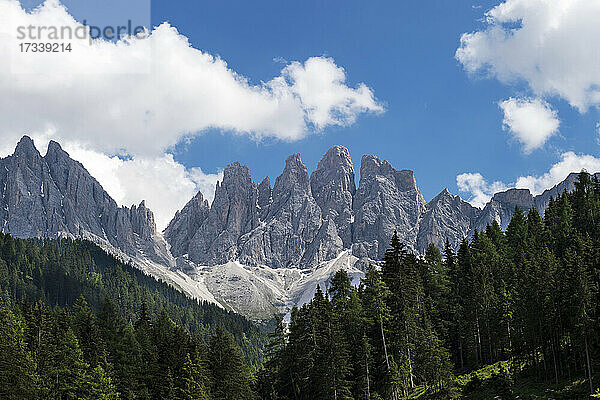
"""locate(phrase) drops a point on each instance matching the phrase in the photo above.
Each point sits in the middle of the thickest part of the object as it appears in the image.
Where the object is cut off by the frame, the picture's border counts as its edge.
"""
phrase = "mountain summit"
(256, 249)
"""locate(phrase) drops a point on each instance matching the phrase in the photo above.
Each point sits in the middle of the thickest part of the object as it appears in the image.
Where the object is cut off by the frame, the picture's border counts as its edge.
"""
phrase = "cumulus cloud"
(550, 45)
(530, 121)
(570, 162)
(143, 96)
(139, 97)
(480, 191)
(478, 188)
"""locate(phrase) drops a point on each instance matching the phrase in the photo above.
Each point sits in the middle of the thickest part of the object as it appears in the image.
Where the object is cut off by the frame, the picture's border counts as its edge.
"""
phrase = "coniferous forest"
(507, 314)
(520, 306)
(75, 323)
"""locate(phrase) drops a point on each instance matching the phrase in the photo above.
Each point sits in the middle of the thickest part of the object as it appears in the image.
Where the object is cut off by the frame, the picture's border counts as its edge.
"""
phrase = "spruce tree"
(18, 378)
(230, 375)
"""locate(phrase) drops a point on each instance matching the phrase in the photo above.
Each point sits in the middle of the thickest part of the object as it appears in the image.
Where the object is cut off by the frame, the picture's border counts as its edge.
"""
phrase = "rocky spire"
(447, 217)
(233, 213)
(386, 200)
(291, 223)
(332, 186)
(185, 224)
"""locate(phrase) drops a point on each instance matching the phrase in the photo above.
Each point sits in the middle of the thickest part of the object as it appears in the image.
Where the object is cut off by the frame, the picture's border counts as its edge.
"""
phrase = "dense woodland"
(529, 295)
(77, 324)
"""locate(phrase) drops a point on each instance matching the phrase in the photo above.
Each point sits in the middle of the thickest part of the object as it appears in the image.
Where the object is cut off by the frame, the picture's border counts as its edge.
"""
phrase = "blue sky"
(442, 116)
(439, 121)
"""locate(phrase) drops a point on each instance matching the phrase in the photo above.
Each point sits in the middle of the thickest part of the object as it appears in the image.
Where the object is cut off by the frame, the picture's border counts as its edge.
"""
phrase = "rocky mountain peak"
(142, 220)
(447, 217)
(332, 186)
(502, 206)
(515, 197)
(55, 195)
(294, 178)
(55, 151)
(185, 224)
(387, 200)
(236, 173)
(26, 148)
(371, 165)
(264, 197)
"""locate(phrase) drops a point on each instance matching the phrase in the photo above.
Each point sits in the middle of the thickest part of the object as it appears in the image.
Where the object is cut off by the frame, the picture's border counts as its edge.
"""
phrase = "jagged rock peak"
(264, 197)
(294, 177)
(142, 220)
(334, 157)
(54, 148)
(447, 217)
(186, 223)
(519, 197)
(373, 165)
(26, 148)
(236, 173)
(55, 195)
(332, 186)
(443, 195)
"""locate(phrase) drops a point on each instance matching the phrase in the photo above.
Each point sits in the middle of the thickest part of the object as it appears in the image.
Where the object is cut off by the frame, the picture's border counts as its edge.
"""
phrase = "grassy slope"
(496, 382)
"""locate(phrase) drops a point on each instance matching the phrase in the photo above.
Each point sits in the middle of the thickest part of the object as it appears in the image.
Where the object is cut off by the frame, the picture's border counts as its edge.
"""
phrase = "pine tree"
(349, 317)
(374, 294)
(100, 385)
(230, 376)
(87, 332)
(63, 371)
(190, 384)
(331, 369)
(18, 378)
(272, 377)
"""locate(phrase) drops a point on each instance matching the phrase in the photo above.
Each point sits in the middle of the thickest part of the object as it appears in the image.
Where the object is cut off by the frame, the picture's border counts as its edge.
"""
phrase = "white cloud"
(598, 132)
(145, 95)
(570, 162)
(140, 97)
(531, 121)
(320, 85)
(475, 185)
(479, 189)
(552, 45)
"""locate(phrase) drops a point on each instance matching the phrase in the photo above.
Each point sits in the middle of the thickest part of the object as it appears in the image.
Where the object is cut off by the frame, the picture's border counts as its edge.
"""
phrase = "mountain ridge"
(255, 249)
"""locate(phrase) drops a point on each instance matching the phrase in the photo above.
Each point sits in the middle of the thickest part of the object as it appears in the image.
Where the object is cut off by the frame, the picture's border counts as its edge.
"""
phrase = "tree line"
(75, 323)
(59, 271)
(70, 353)
(530, 295)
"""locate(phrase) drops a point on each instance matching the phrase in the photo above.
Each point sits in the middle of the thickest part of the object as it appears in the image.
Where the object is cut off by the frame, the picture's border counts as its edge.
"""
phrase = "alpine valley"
(259, 248)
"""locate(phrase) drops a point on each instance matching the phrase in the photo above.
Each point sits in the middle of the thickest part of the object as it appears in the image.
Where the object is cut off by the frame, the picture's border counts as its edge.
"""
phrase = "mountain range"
(258, 248)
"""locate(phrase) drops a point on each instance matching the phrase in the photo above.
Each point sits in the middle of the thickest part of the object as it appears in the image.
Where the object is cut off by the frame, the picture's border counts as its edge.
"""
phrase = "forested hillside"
(511, 315)
(76, 323)
(528, 296)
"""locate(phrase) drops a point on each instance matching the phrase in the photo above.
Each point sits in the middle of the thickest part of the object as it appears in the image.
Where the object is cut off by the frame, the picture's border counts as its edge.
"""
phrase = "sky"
(475, 96)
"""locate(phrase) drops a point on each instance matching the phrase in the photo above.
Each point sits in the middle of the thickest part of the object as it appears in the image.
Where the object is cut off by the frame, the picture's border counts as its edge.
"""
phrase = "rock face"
(304, 221)
(185, 224)
(55, 196)
(289, 226)
(233, 213)
(332, 186)
(386, 200)
(256, 249)
(446, 217)
(502, 207)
